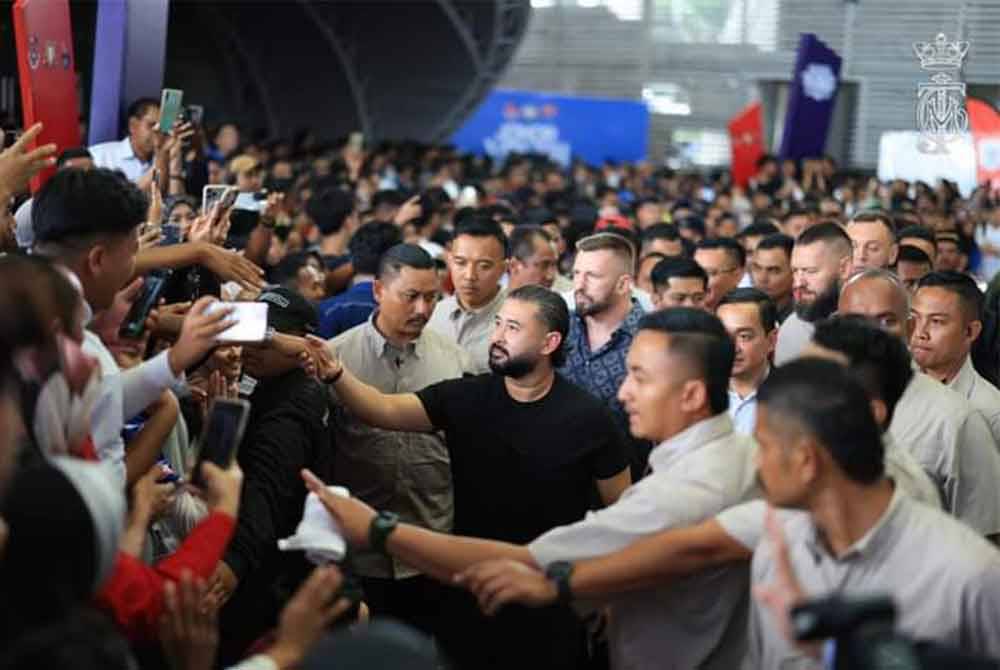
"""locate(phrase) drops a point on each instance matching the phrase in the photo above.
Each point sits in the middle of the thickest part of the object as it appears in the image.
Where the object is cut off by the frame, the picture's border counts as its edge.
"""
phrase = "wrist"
(380, 528)
(335, 377)
(284, 655)
(558, 575)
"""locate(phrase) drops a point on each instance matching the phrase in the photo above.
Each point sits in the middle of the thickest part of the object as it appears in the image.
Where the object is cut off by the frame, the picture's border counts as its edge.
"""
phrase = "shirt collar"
(691, 438)
(384, 347)
(628, 327)
(459, 309)
(753, 394)
(876, 537)
(127, 151)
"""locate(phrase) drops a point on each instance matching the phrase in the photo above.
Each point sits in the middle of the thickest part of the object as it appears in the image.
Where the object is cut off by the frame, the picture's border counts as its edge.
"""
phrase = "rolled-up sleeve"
(143, 384)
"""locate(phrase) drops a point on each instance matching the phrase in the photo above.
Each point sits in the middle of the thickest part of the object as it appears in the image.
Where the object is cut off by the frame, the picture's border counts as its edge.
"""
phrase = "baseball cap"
(289, 312)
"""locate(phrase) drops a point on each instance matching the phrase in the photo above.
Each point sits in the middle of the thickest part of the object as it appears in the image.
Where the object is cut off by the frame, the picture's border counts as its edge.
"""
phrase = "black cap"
(289, 312)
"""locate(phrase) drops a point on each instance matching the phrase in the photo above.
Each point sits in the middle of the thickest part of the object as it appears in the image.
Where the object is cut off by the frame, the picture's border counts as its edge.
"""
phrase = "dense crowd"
(496, 415)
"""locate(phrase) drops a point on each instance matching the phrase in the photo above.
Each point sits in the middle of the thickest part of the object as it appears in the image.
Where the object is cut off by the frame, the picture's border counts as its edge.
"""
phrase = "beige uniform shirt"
(793, 336)
(981, 394)
(943, 577)
(953, 443)
(469, 329)
(698, 622)
(406, 473)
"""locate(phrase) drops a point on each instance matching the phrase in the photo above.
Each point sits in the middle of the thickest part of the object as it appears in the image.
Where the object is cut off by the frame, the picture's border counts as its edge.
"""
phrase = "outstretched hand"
(498, 582)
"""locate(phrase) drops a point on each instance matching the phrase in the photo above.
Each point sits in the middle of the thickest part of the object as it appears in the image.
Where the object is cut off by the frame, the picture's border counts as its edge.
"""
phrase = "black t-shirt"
(520, 469)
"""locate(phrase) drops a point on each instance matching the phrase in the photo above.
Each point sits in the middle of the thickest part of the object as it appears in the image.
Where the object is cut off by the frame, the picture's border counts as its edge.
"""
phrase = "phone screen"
(135, 320)
(170, 234)
(223, 432)
(210, 195)
(229, 197)
(251, 321)
(170, 108)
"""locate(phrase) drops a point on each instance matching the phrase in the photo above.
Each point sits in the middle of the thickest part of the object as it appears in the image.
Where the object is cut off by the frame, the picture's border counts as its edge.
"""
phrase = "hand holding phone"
(149, 295)
(170, 109)
(227, 419)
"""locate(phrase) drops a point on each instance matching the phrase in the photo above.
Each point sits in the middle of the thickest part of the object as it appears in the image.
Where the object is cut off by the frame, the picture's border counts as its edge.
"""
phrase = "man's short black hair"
(827, 232)
(329, 209)
(368, 244)
(879, 360)
(482, 226)
(402, 256)
(962, 285)
(700, 338)
(70, 154)
(79, 204)
(778, 241)
(917, 231)
(387, 196)
(552, 311)
(139, 107)
(692, 223)
(659, 231)
(827, 402)
(766, 310)
(682, 268)
(735, 250)
(912, 254)
(522, 241)
(800, 210)
(758, 229)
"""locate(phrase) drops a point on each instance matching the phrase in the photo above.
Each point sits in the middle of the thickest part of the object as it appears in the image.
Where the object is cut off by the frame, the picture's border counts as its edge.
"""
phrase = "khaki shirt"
(981, 394)
(406, 473)
(943, 577)
(953, 443)
(698, 622)
(793, 336)
(469, 329)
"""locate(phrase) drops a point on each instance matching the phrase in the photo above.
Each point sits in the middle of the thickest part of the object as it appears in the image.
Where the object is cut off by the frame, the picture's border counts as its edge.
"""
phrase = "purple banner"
(129, 58)
(810, 99)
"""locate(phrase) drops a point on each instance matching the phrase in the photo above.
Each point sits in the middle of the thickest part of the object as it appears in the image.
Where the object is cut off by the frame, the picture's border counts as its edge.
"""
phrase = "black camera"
(863, 630)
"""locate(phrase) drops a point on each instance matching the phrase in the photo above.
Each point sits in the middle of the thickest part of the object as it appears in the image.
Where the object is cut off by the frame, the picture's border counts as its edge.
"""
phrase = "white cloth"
(318, 534)
(119, 155)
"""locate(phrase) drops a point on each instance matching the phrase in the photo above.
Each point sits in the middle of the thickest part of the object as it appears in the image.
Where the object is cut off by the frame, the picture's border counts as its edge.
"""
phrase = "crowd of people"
(596, 417)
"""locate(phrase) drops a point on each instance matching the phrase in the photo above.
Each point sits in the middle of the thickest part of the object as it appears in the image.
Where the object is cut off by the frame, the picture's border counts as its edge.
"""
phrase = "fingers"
(313, 483)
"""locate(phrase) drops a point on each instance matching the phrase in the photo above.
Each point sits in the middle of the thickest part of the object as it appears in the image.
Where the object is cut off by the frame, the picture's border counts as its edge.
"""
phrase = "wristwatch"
(559, 573)
(381, 527)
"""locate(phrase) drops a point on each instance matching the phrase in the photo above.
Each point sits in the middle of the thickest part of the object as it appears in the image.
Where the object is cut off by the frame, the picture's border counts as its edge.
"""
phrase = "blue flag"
(810, 99)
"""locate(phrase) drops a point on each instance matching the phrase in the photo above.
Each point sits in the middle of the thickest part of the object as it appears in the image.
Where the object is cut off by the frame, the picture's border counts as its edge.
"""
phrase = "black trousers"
(413, 600)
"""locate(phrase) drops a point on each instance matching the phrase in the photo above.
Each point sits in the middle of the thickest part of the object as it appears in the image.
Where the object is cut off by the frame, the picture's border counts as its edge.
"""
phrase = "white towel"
(318, 534)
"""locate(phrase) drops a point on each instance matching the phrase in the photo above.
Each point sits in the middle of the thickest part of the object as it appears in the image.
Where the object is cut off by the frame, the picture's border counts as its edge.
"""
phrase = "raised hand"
(189, 632)
(18, 165)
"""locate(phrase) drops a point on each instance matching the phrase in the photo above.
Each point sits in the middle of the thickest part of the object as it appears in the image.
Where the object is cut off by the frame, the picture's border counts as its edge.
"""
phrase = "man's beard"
(823, 306)
(513, 367)
(591, 308)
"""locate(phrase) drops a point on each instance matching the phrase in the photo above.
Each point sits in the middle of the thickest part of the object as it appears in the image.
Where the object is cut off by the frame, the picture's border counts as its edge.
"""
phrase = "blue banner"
(562, 127)
(810, 99)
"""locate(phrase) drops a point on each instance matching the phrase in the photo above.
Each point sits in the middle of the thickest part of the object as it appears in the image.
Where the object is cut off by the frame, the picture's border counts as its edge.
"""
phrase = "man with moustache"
(603, 325)
(407, 474)
(527, 448)
(477, 262)
(945, 433)
(771, 271)
(947, 315)
(821, 262)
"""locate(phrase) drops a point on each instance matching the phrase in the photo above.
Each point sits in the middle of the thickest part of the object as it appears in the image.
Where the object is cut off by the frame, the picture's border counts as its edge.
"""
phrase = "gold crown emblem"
(941, 54)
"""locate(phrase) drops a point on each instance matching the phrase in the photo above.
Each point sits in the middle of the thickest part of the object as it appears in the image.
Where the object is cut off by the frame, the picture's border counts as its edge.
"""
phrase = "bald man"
(945, 433)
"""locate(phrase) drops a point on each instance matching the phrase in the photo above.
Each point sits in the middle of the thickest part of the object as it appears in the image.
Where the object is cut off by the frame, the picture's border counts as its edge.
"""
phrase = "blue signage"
(562, 127)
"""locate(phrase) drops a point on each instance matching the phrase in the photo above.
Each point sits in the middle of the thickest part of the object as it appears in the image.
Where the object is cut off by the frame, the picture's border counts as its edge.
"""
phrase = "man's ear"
(552, 341)
(96, 259)
(879, 410)
(378, 290)
(973, 330)
(694, 395)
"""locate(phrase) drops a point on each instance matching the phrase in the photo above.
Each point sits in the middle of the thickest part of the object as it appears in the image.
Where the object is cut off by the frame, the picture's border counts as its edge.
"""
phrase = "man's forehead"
(476, 246)
(871, 296)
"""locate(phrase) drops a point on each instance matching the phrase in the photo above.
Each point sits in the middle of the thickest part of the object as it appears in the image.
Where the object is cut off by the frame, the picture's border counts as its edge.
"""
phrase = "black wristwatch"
(381, 527)
(559, 573)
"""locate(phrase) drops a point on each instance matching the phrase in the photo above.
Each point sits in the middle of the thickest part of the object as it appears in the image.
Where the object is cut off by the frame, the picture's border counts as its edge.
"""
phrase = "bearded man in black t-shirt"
(527, 448)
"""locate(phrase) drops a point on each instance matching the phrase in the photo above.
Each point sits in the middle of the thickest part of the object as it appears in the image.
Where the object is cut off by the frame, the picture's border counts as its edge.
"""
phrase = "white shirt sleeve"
(143, 384)
(648, 507)
(744, 523)
(972, 487)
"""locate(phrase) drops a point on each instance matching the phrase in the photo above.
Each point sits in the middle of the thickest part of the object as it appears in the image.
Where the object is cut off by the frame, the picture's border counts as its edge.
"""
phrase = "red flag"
(45, 67)
(984, 122)
(746, 140)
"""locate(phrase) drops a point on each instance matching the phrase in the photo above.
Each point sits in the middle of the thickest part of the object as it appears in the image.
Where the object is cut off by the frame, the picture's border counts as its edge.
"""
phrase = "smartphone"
(250, 317)
(227, 419)
(149, 294)
(195, 114)
(170, 234)
(170, 108)
(242, 223)
(210, 195)
(229, 198)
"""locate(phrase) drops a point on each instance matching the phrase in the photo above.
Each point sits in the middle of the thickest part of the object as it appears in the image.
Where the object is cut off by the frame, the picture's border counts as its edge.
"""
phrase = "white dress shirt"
(118, 155)
(698, 622)
(981, 394)
(793, 336)
(123, 395)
